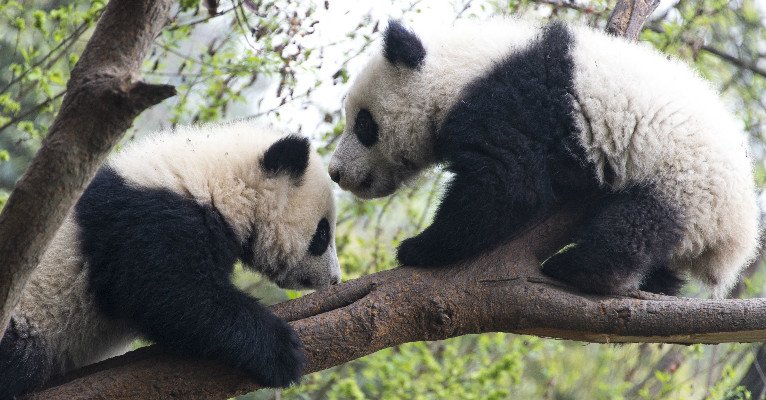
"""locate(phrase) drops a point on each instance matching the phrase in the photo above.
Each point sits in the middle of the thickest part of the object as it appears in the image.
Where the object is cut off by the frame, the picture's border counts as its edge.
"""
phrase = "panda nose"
(335, 175)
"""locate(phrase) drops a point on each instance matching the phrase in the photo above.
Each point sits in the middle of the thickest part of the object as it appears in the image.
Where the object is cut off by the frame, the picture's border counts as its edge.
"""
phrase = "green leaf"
(8, 104)
(39, 17)
(188, 4)
(19, 23)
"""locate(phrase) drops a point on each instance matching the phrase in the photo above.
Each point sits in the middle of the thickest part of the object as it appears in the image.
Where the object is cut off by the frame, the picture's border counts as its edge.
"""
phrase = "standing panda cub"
(149, 249)
(530, 117)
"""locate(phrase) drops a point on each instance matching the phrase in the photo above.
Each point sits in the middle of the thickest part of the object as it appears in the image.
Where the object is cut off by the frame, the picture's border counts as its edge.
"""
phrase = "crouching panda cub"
(149, 248)
(529, 117)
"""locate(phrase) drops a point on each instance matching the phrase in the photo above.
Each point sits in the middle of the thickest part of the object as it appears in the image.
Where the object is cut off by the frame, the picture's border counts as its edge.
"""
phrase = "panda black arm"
(220, 322)
(489, 200)
(163, 262)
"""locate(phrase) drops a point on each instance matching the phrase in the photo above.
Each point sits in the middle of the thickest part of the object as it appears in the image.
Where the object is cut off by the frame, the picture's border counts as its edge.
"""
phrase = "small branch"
(347, 294)
(669, 363)
(629, 17)
(754, 379)
(586, 9)
(31, 111)
(737, 62)
(201, 20)
(66, 42)
(734, 60)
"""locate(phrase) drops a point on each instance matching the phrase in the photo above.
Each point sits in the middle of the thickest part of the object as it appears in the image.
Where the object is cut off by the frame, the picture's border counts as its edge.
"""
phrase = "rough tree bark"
(501, 291)
(103, 97)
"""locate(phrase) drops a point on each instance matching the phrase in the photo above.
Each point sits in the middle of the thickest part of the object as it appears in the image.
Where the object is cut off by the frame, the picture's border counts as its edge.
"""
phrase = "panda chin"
(375, 192)
(372, 189)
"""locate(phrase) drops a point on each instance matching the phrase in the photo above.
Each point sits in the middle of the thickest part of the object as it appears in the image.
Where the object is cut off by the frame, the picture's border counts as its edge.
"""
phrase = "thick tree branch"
(103, 97)
(500, 291)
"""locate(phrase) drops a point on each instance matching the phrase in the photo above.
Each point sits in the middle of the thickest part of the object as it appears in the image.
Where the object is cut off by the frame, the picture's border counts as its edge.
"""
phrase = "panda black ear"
(400, 45)
(289, 154)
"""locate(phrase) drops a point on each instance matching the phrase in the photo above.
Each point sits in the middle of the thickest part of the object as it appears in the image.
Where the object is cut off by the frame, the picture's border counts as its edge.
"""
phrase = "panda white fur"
(529, 117)
(149, 248)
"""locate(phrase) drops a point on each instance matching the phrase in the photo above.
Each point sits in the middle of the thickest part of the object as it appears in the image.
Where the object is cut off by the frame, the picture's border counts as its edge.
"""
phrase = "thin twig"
(199, 21)
(76, 34)
(31, 111)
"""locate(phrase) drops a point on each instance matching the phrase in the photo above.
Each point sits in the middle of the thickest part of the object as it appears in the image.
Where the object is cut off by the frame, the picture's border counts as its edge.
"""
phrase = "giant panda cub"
(149, 248)
(528, 117)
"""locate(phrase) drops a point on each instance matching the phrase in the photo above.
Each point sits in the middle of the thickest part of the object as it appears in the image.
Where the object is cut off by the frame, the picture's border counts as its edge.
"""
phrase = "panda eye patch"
(365, 128)
(321, 238)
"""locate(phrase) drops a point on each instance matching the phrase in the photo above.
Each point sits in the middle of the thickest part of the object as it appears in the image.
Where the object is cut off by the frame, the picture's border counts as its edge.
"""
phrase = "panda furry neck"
(149, 248)
(531, 117)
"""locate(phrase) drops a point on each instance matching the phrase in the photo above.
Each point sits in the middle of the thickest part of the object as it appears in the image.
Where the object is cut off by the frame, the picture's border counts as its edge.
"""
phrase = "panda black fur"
(149, 248)
(530, 117)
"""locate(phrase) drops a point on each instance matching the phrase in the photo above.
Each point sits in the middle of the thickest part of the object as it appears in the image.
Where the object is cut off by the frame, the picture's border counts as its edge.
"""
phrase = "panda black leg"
(662, 280)
(475, 215)
(630, 232)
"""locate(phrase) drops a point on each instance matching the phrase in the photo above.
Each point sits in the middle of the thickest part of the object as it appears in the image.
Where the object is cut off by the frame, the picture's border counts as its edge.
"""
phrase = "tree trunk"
(102, 99)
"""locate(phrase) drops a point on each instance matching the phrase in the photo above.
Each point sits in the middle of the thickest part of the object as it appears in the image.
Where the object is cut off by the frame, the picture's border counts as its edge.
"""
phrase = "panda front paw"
(412, 252)
(282, 361)
(424, 251)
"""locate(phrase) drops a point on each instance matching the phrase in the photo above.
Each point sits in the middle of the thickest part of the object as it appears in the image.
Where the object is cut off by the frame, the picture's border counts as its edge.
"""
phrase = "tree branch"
(33, 110)
(500, 291)
(752, 67)
(628, 17)
(737, 62)
(572, 5)
(754, 380)
(103, 96)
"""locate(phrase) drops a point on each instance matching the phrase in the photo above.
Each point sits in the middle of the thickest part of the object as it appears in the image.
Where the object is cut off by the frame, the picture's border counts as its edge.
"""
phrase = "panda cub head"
(389, 121)
(293, 243)
(272, 191)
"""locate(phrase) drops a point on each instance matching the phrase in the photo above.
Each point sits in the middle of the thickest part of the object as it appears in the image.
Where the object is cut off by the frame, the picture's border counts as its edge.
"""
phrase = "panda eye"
(365, 128)
(321, 238)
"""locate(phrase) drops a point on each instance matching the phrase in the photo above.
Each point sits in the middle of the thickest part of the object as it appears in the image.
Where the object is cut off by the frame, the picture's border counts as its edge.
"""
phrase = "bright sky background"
(330, 33)
(333, 26)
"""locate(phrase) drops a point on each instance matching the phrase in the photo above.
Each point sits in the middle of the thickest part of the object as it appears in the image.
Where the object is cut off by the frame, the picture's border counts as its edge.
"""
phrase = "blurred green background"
(288, 63)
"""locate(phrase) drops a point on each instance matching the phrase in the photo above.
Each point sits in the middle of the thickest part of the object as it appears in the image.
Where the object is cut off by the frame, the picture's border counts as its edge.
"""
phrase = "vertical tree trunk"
(103, 97)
